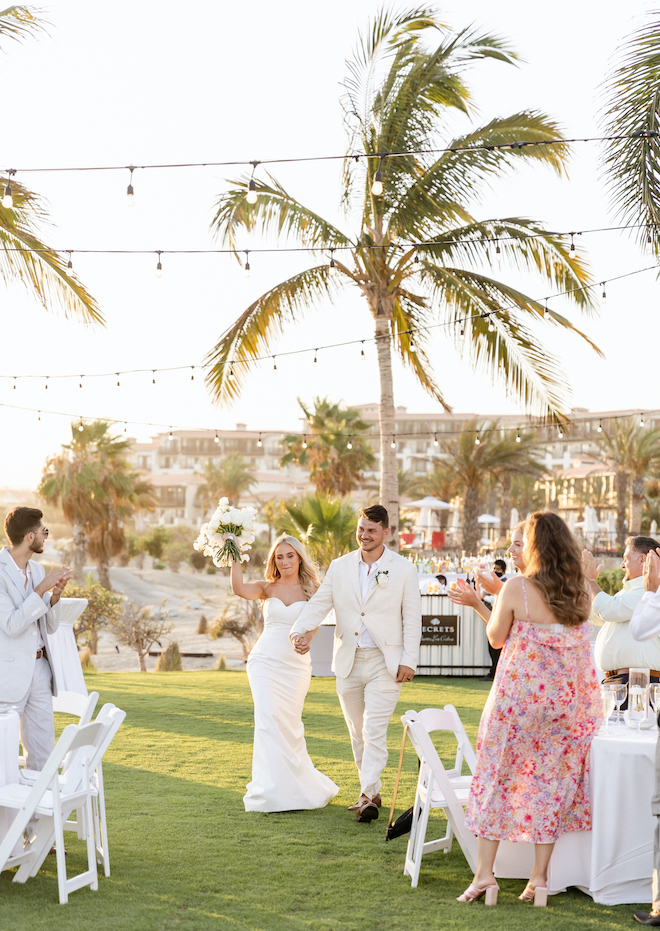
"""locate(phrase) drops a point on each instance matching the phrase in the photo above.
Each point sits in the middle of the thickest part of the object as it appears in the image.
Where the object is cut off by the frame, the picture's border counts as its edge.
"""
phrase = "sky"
(141, 82)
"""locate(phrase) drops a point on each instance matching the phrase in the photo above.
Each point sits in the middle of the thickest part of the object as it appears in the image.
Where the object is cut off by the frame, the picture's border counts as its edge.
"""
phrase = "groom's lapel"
(385, 561)
(355, 576)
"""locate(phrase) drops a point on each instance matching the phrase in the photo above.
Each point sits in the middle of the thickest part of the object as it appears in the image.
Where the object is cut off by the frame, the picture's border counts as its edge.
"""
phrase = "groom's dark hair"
(377, 513)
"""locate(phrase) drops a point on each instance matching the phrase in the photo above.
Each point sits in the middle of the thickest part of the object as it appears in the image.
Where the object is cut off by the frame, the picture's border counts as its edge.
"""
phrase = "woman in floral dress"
(532, 777)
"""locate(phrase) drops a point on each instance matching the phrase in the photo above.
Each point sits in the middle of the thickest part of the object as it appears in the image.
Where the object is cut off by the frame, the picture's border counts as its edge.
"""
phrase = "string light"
(332, 270)
(231, 370)
(274, 364)
(316, 361)
(80, 382)
(159, 266)
(259, 443)
(118, 385)
(603, 297)
(572, 252)
(498, 253)
(246, 267)
(81, 426)
(411, 343)
(477, 441)
(560, 433)
(435, 439)
(641, 420)
(304, 442)
(46, 385)
(461, 335)
(130, 193)
(171, 434)
(599, 428)
(349, 445)
(251, 197)
(125, 426)
(216, 438)
(69, 264)
(649, 244)
(393, 443)
(362, 355)
(153, 376)
(8, 199)
(192, 372)
(377, 186)
(38, 415)
(416, 261)
(518, 440)
(491, 325)
(546, 312)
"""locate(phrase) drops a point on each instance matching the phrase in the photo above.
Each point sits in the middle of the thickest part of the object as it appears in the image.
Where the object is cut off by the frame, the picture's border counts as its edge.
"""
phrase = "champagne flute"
(654, 696)
(607, 696)
(620, 690)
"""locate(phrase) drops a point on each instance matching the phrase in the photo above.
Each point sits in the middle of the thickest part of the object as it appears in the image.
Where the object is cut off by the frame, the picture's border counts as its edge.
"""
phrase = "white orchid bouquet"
(213, 541)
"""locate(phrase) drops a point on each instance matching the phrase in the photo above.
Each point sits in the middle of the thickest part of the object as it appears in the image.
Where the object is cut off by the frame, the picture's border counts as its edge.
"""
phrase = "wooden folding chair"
(438, 787)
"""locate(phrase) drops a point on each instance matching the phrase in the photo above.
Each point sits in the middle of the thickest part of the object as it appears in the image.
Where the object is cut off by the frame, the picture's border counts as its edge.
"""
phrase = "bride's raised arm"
(248, 590)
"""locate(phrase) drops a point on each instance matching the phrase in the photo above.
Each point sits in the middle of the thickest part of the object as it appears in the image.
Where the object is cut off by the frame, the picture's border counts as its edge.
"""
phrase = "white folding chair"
(53, 798)
(438, 787)
(82, 706)
(113, 716)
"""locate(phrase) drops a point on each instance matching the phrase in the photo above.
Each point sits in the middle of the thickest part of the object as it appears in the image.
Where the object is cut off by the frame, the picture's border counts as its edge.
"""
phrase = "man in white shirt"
(616, 649)
(378, 609)
(645, 625)
(28, 612)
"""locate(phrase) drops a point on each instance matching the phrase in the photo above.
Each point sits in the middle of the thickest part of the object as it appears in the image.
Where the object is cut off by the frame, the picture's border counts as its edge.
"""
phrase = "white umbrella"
(435, 504)
(515, 517)
(487, 519)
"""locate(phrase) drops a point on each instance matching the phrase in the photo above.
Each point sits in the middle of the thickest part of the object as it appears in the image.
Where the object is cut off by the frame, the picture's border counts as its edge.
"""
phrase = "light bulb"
(498, 253)
(216, 438)
(560, 433)
(46, 385)
(192, 372)
(69, 265)
(231, 370)
(171, 436)
(274, 364)
(393, 443)
(349, 445)
(80, 427)
(546, 312)
(477, 441)
(80, 382)
(259, 443)
(572, 252)
(118, 385)
(599, 428)
(518, 440)
(416, 261)
(461, 335)
(8, 200)
(603, 297)
(159, 267)
(435, 440)
(14, 384)
(130, 195)
(362, 355)
(649, 244)
(491, 326)
(316, 361)
(251, 192)
(153, 376)
(333, 268)
(246, 267)
(377, 186)
(641, 420)
(411, 344)
(304, 442)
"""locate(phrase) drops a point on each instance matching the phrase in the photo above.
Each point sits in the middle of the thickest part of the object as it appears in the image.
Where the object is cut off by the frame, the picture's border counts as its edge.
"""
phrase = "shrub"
(611, 581)
(203, 626)
(170, 659)
(159, 565)
(197, 560)
(103, 607)
(211, 570)
(175, 552)
(222, 662)
(86, 661)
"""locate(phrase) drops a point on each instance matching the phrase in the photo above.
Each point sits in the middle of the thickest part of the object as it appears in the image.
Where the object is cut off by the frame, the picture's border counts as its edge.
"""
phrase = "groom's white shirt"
(392, 614)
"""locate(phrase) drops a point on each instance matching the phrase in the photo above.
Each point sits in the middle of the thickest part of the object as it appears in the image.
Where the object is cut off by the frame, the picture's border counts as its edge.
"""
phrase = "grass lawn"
(186, 857)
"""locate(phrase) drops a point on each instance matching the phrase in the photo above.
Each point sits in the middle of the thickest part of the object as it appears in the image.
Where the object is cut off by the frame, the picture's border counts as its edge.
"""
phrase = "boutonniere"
(381, 578)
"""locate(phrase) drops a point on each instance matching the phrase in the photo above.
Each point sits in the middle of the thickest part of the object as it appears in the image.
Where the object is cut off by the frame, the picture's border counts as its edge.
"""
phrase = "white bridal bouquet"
(227, 519)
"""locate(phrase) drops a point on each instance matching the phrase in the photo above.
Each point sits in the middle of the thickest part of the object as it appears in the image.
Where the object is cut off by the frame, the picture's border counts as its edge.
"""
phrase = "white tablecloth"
(613, 862)
(9, 740)
(62, 649)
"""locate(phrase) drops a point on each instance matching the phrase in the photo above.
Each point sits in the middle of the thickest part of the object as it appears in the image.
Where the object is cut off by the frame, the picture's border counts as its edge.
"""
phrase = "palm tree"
(400, 96)
(230, 478)
(326, 526)
(333, 449)
(24, 256)
(98, 493)
(632, 113)
(633, 451)
(473, 464)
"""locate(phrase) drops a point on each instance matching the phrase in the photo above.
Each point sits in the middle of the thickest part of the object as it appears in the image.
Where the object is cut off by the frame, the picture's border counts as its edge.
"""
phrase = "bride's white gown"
(283, 775)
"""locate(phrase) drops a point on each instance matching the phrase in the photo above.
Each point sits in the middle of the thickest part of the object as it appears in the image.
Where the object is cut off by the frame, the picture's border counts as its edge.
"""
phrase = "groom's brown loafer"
(367, 812)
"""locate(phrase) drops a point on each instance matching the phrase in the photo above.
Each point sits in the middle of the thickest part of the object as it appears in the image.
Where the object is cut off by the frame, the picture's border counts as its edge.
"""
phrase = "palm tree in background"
(401, 95)
(325, 524)
(98, 492)
(232, 477)
(333, 451)
(634, 451)
(471, 465)
(24, 256)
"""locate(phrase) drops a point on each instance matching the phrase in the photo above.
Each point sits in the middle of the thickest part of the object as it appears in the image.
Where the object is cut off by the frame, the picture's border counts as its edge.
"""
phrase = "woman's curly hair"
(553, 562)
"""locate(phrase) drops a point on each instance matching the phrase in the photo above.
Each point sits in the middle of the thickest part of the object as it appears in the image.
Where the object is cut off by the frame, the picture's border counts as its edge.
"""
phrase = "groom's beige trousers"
(368, 697)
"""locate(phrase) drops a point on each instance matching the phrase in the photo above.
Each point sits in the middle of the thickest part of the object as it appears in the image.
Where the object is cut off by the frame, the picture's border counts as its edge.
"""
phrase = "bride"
(283, 775)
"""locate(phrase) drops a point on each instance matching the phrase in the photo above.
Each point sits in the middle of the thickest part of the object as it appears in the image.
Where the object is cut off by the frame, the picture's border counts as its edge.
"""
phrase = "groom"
(375, 594)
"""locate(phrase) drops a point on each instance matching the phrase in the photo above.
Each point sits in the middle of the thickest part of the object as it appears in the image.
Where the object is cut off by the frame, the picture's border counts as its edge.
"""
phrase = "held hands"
(405, 674)
(302, 641)
(488, 581)
(652, 571)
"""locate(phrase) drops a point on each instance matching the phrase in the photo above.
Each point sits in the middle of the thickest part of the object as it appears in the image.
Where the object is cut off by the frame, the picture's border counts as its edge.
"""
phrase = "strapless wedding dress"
(283, 775)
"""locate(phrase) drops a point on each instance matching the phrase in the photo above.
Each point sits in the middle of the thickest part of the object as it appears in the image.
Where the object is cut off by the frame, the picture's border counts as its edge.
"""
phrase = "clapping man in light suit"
(375, 594)
(28, 611)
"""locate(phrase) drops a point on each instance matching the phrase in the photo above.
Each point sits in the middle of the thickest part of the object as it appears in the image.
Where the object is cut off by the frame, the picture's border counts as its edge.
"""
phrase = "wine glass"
(607, 696)
(638, 685)
(654, 696)
(620, 690)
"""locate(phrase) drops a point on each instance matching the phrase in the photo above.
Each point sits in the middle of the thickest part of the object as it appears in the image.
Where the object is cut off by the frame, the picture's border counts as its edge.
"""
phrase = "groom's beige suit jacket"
(392, 614)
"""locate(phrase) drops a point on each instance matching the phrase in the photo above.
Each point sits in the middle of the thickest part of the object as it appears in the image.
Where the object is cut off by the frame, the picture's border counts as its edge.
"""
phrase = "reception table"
(613, 862)
(62, 649)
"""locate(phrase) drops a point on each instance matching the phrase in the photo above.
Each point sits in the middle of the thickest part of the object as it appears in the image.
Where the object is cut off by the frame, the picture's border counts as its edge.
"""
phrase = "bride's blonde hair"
(307, 572)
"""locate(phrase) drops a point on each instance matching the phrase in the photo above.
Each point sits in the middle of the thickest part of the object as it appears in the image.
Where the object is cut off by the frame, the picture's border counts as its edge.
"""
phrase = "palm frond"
(407, 318)
(232, 358)
(632, 92)
(274, 212)
(26, 258)
(21, 22)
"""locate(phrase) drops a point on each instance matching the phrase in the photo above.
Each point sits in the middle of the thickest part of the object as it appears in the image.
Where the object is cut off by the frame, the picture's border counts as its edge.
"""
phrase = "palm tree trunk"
(621, 486)
(636, 505)
(470, 524)
(79, 554)
(389, 486)
(505, 505)
(104, 575)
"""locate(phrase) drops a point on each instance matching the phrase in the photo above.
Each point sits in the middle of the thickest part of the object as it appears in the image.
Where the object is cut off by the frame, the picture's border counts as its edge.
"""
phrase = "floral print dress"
(532, 777)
